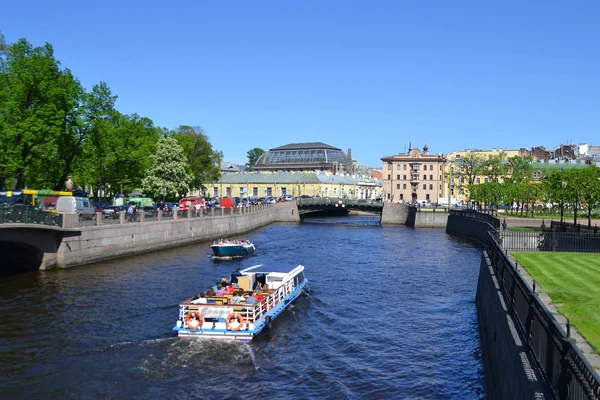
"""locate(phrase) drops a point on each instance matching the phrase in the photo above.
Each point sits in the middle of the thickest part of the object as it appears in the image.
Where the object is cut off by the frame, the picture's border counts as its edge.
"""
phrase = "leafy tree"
(253, 156)
(591, 190)
(495, 167)
(168, 174)
(203, 163)
(519, 169)
(555, 186)
(37, 101)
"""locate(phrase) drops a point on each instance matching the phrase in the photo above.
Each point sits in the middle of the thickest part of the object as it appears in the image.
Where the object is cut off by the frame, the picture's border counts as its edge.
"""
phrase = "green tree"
(37, 102)
(495, 166)
(168, 174)
(253, 156)
(591, 190)
(554, 184)
(203, 162)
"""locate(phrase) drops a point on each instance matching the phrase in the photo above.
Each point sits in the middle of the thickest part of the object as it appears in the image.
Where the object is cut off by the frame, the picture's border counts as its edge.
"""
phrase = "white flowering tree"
(167, 175)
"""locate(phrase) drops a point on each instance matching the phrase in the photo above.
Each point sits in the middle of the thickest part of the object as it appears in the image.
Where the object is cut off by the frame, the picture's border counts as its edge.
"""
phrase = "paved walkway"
(537, 223)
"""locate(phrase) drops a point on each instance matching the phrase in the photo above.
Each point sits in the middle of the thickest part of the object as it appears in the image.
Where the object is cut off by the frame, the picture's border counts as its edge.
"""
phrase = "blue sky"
(360, 75)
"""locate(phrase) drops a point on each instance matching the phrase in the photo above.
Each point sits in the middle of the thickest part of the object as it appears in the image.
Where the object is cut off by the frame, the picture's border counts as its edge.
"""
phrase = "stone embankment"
(98, 243)
(401, 214)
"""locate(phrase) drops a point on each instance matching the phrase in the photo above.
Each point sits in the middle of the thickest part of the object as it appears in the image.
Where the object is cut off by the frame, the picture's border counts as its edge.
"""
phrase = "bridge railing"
(333, 201)
(29, 215)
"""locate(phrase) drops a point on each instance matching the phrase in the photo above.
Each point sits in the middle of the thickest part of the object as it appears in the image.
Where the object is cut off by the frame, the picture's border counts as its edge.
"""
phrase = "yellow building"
(257, 184)
(462, 166)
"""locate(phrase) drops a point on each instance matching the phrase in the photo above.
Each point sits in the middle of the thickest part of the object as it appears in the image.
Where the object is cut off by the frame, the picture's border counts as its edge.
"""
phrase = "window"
(254, 192)
(440, 177)
(430, 177)
(388, 196)
(424, 187)
(283, 191)
(424, 177)
(389, 177)
(389, 166)
(430, 187)
(269, 192)
(451, 169)
(334, 192)
(401, 196)
(477, 181)
(427, 197)
(431, 167)
(215, 191)
(398, 177)
(228, 191)
(398, 167)
(404, 186)
(485, 179)
(404, 167)
(404, 177)
(452, 191)
(397, 186)
(462, 169)
(424, 167)
(440, 187)
(462, 180)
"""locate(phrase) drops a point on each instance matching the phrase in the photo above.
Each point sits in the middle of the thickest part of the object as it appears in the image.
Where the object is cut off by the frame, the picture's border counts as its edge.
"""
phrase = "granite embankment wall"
(99, 243)
(507, 365)
(401, 214)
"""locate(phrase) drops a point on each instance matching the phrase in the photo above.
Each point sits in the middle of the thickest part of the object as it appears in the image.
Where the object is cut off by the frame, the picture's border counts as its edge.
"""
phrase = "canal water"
(391, 315)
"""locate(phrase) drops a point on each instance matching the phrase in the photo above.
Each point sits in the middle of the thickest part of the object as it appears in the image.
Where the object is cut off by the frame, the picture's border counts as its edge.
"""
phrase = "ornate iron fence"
(558, 226)
(472, 214)
(585, 242)
(29, 215)
(567, 371)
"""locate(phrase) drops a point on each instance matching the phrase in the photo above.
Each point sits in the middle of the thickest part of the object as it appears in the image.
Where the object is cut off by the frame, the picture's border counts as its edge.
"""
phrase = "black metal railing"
(547, 240)
(29, 215)
(565, 369)
(333, 201)
(558, 226)
(472, 214)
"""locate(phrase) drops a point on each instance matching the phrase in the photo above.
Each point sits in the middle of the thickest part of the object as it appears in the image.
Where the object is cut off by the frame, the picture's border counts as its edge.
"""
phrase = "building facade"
(414, 175)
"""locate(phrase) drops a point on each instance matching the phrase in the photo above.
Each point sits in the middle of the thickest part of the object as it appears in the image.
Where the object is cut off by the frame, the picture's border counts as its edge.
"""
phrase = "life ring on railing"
(232, 319)
(194, 320)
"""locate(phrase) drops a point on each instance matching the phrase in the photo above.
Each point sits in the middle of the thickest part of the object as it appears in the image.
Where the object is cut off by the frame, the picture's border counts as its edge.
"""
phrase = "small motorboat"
(219, 317)
(232, 248)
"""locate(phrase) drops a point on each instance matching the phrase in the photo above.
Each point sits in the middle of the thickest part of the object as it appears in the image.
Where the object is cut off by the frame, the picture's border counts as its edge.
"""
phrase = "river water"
(391, 315)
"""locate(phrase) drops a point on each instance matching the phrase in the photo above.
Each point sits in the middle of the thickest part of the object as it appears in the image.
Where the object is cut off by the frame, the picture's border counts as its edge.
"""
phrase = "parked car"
(101, 204)
(287, 197)
(271, 200)
(79, 205)
(112, 211)
(149, 211)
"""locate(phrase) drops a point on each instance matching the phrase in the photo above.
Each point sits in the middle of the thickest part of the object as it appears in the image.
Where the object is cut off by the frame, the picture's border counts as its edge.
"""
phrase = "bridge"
(306, 206)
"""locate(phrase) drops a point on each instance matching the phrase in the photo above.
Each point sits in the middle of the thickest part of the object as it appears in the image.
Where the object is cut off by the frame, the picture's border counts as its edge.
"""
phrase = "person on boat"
(251, 300)
(199, 298)
(229, 288)
(238, 297)
(220, 290)
(258, 285)
(234, 275)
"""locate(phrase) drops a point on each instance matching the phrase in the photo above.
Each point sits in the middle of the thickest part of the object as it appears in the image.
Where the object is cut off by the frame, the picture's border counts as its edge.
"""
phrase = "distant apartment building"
(414, 175)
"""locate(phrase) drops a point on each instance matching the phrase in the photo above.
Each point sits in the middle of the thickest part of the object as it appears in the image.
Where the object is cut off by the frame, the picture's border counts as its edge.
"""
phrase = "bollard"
(212, 212)
(175, 213)
(189, 213)
(222, 211)
(159, 215)
(142, 216)
(122, 217)
(98, 218)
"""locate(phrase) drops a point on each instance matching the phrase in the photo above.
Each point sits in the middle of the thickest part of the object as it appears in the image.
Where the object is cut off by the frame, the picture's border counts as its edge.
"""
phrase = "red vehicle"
(226, 202)
(191, 202)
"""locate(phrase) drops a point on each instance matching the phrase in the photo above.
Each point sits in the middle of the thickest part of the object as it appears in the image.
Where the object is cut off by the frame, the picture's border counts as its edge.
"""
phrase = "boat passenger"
(238, 297)
(229, 289)
(199, 298)
(258, 285)
(234, 275)
(220, 290)
(251, 300)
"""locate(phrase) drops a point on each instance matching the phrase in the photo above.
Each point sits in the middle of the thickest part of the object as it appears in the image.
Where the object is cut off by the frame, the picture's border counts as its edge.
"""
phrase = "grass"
(572, 280)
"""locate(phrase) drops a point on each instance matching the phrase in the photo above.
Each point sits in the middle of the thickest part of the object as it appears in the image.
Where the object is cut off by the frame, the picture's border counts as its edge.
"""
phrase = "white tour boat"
(281, 285)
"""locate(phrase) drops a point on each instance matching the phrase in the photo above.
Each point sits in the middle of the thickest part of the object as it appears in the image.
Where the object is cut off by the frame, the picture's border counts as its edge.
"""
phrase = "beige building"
(456, 171)
(258, 184)
(415, 175)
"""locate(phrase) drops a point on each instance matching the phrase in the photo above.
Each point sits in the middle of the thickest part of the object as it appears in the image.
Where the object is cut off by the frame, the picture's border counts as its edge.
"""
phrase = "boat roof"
(267, 268)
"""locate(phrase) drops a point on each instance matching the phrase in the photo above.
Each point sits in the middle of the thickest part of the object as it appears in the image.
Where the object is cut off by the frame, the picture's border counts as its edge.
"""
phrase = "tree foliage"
(52, 128)
(253, 156)
(167, 175)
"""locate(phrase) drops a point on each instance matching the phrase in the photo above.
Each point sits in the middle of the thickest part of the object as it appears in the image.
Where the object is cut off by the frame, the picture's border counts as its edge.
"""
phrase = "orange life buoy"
(235, 318)
(191, 323)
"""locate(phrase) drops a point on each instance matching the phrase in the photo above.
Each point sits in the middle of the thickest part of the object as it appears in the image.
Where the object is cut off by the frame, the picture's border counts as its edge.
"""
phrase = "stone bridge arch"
(25, 247)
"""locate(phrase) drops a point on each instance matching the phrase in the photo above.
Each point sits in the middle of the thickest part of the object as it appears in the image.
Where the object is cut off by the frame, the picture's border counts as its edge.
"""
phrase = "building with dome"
(316, 157)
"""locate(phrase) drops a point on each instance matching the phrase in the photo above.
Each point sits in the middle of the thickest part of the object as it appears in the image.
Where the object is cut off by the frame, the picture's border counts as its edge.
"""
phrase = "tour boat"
(242, 322)
(232, 248)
